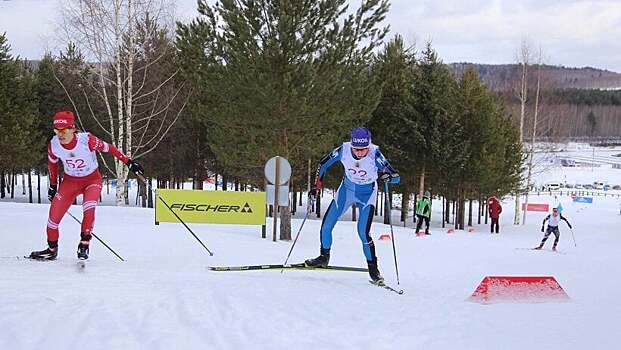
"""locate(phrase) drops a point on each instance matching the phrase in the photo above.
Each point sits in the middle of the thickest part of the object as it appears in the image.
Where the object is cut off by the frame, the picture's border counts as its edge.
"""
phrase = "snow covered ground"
(164, 297)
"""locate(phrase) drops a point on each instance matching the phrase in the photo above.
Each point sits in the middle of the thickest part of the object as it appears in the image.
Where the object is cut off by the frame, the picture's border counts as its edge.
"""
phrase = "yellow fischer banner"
(211, 207)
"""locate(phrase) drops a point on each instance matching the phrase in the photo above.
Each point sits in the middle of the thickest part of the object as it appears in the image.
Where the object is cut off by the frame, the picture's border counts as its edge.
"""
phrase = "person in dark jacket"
(494, 208)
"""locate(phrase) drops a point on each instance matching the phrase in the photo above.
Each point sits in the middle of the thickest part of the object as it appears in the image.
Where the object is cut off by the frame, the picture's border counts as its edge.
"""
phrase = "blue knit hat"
(360, 137)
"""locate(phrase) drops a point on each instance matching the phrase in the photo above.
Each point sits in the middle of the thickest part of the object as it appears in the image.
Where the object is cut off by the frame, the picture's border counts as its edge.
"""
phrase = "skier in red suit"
(76, 151)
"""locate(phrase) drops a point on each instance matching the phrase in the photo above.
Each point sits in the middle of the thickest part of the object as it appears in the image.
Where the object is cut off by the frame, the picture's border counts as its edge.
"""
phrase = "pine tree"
(434, 102)
(279, 77)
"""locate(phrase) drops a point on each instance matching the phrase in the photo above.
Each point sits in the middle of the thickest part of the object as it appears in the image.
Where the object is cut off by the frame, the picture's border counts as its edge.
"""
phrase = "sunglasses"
(359, 149)
(63, 132)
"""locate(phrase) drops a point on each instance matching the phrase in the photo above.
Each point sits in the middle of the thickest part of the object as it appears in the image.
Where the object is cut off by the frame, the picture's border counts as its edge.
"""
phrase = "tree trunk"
(24, 184)
(532, 144)
(294, 201)
(285, 223)
(38, 187)
(388, 207)
(443, 211)
(144, 191)
(480, 208)
(29, 187)
(149, 193)
(2, 185)
(12, 180)
(455, 223)
(421, 183)
(385, 207)
(121, 186)
(516, 213)
(353, 212)
(225, 183)
(470, 213)
(405, 205)
(197, 183)
(415, 201)
(318, 204)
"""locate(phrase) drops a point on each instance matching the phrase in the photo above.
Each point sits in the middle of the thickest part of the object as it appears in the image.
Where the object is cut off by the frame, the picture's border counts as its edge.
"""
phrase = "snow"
(164, 297)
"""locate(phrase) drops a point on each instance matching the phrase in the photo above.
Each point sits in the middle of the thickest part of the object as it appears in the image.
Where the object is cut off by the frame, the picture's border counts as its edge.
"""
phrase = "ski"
(543, 250)
(80, 264)
(383, 284)
(300, 266)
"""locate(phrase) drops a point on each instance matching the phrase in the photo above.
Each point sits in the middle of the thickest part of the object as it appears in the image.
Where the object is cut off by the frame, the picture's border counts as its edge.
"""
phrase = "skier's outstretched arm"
(96, 144)
(388, 173)
(52, 167)
(565, 219)
(543, 224)
(324, 164)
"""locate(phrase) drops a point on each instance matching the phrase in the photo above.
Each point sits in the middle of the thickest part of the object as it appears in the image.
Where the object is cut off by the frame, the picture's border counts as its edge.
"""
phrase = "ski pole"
(186, 226)
(94, 235)
(141, 177)
(309, 205)
(388, 206)
(573, 237)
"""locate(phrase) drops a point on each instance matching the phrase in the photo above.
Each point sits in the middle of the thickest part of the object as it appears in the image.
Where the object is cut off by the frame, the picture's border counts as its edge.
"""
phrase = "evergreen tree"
(434, 103)
(280, 77)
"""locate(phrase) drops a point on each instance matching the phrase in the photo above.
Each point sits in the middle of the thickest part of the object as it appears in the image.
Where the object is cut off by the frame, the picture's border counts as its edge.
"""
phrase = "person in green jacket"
(423, 212)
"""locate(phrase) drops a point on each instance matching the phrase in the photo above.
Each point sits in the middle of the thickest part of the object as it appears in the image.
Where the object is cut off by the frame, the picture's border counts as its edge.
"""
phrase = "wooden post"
(276, 185)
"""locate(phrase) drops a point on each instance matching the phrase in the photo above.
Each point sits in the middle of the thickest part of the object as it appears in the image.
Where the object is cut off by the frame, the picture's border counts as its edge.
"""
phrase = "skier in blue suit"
(363, 163)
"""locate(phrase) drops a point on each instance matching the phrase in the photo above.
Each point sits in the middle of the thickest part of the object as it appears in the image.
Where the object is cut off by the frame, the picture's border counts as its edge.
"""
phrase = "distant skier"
(494, 208)
(362, 161)
(76, 150)
(423, 213)
(554, 220)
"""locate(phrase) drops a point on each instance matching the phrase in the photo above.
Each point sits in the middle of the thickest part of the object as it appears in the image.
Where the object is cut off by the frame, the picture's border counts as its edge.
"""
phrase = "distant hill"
(504, 77)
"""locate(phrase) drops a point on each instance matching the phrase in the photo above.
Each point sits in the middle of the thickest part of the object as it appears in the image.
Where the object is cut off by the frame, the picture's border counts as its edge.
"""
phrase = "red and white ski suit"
(81, 177)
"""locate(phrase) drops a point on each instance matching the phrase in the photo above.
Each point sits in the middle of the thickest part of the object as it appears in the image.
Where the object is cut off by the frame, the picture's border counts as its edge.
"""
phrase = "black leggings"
(419, 223)
(494, 223)
(557, 235)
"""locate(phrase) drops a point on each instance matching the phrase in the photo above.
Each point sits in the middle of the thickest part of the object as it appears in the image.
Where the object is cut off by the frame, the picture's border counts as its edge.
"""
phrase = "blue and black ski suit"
(358, 186)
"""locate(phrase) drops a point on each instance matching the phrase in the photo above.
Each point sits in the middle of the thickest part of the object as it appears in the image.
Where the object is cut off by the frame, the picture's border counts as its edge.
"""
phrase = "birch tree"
(141, 102)
(524, 58)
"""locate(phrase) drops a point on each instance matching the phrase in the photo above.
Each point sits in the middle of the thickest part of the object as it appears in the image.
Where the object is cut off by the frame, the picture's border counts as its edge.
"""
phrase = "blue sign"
(584, 199)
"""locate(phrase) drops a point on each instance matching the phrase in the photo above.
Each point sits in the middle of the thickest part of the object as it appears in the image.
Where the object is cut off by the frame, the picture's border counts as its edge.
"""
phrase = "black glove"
(134, 167)
(386, 177)
(51, 192)
(541, 228)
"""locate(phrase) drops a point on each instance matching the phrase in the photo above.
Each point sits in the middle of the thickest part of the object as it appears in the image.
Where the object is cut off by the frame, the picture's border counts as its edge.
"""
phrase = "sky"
(573, 33)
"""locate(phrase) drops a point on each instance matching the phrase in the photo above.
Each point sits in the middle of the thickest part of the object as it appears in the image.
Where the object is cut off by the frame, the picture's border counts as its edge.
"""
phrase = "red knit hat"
(64, 120)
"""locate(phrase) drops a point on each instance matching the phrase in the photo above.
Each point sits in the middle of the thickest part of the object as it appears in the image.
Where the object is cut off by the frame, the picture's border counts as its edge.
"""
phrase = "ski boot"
(84, 245)
(321, 261)
(374, 273)
(538, 248)
(47, 254)
(554, 248)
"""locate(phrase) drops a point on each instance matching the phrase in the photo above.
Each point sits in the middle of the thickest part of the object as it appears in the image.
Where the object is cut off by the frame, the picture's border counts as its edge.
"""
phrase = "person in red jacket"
(76, 151)
(494, 208)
